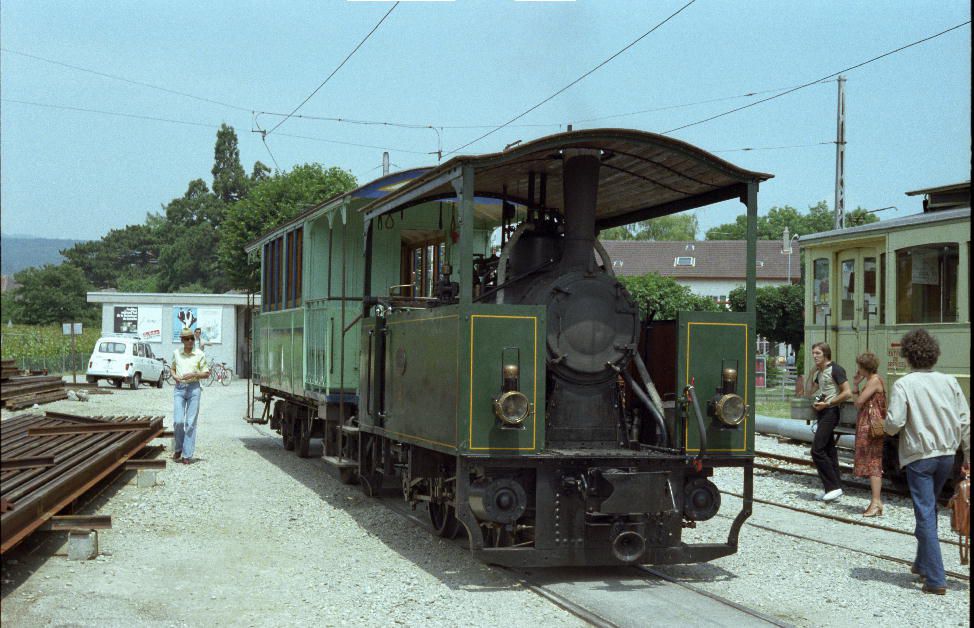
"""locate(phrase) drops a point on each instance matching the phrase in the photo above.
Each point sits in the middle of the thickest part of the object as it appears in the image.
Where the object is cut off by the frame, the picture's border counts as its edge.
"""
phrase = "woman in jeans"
(929, 411)
(871, 403)
(189, 367)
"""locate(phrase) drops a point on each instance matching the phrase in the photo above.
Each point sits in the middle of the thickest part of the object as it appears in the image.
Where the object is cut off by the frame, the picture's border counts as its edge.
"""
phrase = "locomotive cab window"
(926, 284)
(422, 262)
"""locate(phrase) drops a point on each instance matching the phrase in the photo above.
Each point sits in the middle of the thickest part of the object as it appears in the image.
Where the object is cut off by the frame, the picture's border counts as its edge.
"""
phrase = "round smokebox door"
(590, 321)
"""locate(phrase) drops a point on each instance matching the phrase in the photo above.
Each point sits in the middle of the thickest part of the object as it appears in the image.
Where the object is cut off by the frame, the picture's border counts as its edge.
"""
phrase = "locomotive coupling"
(628, 546)
(502, 500)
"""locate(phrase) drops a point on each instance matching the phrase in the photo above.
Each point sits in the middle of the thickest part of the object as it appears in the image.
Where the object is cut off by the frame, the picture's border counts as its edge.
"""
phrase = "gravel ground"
(251, 535)
(812, 584)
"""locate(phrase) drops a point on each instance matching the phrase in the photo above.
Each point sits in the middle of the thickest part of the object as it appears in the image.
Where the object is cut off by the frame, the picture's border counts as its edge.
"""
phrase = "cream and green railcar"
(866, 286)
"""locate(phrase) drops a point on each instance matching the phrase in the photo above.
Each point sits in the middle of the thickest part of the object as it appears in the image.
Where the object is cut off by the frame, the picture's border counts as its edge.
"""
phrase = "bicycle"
(166, 372)
(219, 371)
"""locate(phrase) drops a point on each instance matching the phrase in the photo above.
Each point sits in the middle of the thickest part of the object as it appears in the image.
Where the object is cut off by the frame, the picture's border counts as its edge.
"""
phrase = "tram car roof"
(874, 228)
(643, 175)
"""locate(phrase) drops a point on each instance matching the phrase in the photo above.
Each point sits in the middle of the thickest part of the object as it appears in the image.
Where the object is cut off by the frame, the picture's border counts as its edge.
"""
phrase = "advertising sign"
(183, 316)
(150, 324)
(126, 319)
(210, 323)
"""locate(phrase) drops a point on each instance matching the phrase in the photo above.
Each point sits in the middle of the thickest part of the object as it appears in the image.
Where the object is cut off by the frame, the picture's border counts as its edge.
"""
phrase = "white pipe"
(795, 429)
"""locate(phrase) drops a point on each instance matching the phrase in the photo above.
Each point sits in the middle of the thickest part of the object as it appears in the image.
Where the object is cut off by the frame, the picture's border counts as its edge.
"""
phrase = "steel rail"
(838, 518)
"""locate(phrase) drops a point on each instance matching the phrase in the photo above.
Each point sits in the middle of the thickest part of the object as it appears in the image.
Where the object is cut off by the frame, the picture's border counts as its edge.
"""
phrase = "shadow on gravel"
(903, 579)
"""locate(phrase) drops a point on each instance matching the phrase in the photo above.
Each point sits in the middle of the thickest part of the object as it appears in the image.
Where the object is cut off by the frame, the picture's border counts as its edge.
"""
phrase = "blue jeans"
(186, 398)
(926, 479)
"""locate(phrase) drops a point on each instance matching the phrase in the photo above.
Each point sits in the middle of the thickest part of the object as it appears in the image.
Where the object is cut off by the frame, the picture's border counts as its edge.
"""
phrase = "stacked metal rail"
(46, 462)
(22, 391)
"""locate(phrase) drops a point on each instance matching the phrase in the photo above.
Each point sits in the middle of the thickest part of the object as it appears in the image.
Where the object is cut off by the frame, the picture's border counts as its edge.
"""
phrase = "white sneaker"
(831, 496)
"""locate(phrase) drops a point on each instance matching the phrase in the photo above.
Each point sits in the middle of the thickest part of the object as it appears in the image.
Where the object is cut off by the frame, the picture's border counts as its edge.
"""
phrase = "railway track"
(888, 487)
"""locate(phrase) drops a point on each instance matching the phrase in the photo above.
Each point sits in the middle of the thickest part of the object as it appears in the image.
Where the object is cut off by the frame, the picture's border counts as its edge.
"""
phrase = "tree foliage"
(771, 226)
(664, 297)
(230, 183)
(780, 311)
(272, 202)
(52, 294)
(673, 227)
(104, 261)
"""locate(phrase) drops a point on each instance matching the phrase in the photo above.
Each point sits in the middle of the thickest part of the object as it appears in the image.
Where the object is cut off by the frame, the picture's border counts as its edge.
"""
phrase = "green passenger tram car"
(459, 332)
(866, 286)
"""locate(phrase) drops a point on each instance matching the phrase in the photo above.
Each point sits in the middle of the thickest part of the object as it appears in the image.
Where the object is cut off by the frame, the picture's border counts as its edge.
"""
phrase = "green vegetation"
(771, 226)
(674, 227)
(44, 346)
(664, 297)
(780, 311)
(773, 407)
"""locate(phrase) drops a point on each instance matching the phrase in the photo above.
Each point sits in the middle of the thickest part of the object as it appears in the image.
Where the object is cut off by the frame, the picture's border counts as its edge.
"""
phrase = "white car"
(124, 359)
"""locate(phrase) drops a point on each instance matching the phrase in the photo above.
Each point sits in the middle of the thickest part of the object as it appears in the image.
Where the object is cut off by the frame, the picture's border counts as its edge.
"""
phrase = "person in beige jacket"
(930, 413)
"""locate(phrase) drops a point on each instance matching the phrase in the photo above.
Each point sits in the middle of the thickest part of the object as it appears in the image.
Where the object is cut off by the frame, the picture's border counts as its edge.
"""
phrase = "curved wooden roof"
(643, 175)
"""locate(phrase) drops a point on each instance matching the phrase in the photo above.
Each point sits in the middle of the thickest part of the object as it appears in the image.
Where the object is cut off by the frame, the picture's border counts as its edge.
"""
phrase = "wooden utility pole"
(840, 158)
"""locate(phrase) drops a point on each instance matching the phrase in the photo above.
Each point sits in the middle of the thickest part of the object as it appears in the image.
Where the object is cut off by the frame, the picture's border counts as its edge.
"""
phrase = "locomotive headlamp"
(511, 373)
(730, 409)
(512, 407)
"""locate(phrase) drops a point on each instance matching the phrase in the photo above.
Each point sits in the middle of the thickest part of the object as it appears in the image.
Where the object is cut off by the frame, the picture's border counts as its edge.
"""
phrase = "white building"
(708, 267)
(158, 319)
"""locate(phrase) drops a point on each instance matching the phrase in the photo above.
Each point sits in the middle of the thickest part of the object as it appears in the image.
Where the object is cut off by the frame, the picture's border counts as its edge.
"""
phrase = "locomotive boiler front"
(592, 321)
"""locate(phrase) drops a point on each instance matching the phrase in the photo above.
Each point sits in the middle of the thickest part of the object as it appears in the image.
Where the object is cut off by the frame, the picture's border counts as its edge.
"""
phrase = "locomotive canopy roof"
(643, 175)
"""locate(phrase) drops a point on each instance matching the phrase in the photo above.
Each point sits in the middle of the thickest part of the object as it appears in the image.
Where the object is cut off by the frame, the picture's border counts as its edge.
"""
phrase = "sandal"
(874, 510)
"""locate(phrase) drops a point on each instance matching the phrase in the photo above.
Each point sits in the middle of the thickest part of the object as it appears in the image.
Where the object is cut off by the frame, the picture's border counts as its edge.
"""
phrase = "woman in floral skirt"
(871, 403)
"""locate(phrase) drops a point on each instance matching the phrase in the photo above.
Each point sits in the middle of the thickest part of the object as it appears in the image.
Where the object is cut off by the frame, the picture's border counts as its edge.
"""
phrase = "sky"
(68, 173)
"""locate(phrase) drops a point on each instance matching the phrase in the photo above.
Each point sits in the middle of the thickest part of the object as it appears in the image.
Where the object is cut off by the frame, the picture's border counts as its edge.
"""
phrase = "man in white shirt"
(929, 411)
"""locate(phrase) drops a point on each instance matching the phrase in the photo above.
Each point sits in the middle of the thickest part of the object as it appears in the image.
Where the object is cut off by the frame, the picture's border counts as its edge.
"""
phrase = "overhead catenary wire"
(576, 81)
(199, 124)
(333, 72)
(126, 80)
(819, 80)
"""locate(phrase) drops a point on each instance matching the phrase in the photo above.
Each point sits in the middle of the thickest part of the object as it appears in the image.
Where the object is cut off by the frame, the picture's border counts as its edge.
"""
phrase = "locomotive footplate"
(598, 512)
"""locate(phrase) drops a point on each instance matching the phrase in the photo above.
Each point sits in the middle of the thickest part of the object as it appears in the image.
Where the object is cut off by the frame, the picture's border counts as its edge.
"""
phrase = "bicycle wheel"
(209, 380)
(167, 374)
(227, 376)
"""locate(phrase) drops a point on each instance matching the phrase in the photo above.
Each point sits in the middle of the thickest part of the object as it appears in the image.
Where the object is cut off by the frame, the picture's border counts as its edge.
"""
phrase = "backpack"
(960, 518)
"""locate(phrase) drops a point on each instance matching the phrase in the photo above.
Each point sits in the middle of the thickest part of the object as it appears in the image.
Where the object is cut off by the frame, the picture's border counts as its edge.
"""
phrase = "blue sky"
(68, 173)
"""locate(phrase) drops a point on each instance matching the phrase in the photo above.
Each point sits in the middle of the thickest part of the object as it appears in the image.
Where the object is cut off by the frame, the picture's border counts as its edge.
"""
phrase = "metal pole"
(840, 158)
(74, 368)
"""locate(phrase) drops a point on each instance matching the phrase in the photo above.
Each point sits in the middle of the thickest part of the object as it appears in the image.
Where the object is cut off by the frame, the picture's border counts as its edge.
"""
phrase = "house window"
(926, 284)
(685, 261)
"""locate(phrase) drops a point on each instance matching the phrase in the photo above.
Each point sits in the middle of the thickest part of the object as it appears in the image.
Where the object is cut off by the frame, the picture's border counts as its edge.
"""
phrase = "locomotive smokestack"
(580, 179)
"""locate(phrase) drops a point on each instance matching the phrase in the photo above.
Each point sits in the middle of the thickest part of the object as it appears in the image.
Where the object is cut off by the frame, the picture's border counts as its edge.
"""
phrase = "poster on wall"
(926, 267)
(126, 319)
(150, 324)
(183, 316)
(210, 321)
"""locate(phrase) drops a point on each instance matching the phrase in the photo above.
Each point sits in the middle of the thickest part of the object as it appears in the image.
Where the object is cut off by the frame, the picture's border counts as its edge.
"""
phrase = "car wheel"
(136, 380)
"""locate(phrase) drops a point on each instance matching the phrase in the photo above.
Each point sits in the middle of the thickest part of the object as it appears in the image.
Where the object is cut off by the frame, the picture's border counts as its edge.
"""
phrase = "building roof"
(951, 187)
(158, 298)
(712, 259)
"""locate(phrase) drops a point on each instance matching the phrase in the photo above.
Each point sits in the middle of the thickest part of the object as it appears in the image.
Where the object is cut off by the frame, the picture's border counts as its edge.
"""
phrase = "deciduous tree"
(673, 227)
(53, 294)
(664, 297)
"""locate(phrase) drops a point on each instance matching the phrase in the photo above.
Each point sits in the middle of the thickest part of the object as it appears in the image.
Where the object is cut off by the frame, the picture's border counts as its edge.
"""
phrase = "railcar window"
(820, 288)
(848, 288)
(882, 288)
(926, 284)
(869, 287)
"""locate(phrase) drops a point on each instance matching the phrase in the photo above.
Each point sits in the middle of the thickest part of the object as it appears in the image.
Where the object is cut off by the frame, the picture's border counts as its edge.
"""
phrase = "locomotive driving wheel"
(444, 520)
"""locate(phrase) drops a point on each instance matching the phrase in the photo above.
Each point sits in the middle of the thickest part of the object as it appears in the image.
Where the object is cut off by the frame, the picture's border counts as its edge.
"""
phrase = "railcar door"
(856, 306)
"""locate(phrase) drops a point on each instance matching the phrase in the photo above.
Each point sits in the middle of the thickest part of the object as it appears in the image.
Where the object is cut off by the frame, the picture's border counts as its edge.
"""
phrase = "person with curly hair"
(929, 411)
(871, 403)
